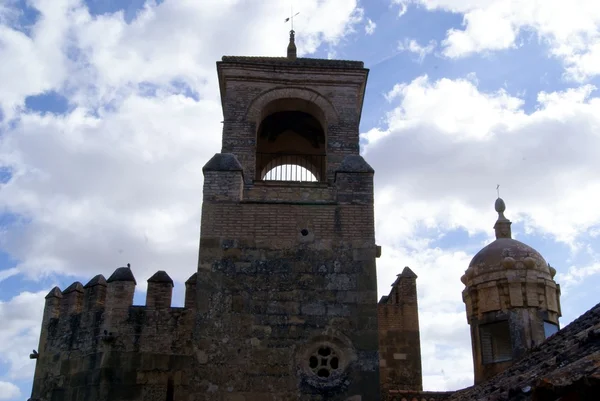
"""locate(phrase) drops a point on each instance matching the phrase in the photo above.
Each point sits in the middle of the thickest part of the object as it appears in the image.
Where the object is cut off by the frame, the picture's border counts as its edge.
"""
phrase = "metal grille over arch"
(291, 141)
(290, 167)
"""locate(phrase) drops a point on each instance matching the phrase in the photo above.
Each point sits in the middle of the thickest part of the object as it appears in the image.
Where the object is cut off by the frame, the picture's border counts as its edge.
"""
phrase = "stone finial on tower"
(291, 49)
(160, 290)
(502, 226)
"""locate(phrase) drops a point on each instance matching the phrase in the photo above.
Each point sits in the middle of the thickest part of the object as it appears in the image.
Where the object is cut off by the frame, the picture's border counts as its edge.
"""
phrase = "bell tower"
(286, 285)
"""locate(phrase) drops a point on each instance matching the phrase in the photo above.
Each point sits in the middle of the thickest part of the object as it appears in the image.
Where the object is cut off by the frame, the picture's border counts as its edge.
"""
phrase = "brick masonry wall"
(341, 95)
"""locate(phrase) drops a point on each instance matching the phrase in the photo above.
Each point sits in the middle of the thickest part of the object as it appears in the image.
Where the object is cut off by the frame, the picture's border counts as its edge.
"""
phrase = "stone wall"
(399, 338)
(95, 345)
(287, 293)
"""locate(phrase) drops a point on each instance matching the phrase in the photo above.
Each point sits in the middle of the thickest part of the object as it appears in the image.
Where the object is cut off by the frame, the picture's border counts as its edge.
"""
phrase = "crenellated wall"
(96, 345)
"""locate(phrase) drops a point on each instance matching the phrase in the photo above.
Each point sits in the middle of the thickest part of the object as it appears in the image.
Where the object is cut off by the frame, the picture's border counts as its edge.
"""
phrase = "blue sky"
(109, 109)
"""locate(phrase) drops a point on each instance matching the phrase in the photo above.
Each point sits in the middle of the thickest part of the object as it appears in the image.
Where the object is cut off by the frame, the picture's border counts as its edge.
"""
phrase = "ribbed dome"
(502, 250)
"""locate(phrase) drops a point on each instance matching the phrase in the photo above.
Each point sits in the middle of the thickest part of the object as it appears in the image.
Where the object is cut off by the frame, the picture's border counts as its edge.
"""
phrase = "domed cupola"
(511, 299)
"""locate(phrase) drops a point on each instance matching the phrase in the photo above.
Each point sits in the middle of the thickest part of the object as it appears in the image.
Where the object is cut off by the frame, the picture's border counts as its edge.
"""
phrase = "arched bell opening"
(291, 142)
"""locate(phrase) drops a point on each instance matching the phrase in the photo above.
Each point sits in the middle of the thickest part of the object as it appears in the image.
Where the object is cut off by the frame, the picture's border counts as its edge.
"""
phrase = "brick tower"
(286, 284)
(512, 301)
(283, 305)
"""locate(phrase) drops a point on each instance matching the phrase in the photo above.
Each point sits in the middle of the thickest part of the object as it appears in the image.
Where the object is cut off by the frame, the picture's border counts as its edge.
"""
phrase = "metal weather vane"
(291, 18)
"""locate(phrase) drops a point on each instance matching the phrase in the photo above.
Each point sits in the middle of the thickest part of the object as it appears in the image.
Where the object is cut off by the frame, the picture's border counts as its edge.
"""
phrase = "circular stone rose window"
(324, 361)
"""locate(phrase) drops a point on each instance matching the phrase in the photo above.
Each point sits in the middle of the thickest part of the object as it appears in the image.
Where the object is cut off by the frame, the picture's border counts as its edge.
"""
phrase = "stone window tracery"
(324, 361)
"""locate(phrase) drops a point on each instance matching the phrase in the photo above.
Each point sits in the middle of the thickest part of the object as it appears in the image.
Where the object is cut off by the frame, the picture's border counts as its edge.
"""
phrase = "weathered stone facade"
(283, 305)
(288, 269)
(399, 337)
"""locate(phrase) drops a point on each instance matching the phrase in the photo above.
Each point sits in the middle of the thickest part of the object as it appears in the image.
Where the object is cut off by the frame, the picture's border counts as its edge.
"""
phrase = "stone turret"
(399, 338)
(511, 299)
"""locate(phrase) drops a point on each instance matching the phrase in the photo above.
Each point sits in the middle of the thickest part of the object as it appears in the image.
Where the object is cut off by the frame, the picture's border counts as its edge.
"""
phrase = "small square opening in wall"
(496, 345)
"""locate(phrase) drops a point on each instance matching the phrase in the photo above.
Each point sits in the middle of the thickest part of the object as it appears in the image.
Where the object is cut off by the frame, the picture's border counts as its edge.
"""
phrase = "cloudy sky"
(110, 108)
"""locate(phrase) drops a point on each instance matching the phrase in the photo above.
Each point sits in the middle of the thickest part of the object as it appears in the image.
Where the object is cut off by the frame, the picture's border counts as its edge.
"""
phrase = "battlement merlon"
(354, 181)
(95, 293)
(160, 290)
(223, 179)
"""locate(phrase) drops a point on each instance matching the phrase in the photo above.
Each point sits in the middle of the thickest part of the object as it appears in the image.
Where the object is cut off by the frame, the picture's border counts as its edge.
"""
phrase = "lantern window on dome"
(496, 345)
(550, 329)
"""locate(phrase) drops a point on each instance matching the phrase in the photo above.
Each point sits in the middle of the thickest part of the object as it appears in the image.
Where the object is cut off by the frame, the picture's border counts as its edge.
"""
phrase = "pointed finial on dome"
(502, 226)
(500, 207)
(291, 49)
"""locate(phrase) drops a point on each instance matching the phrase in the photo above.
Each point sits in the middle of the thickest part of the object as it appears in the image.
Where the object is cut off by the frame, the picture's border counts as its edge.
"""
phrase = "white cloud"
(7, 273)
(411, 45)
(107, 56)
(370, 27)
(572, 32)
(21, 318)
(403, 6)
(134, 153)
(38, 57)
(8, 390)
(464, 140)
(575, 275)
